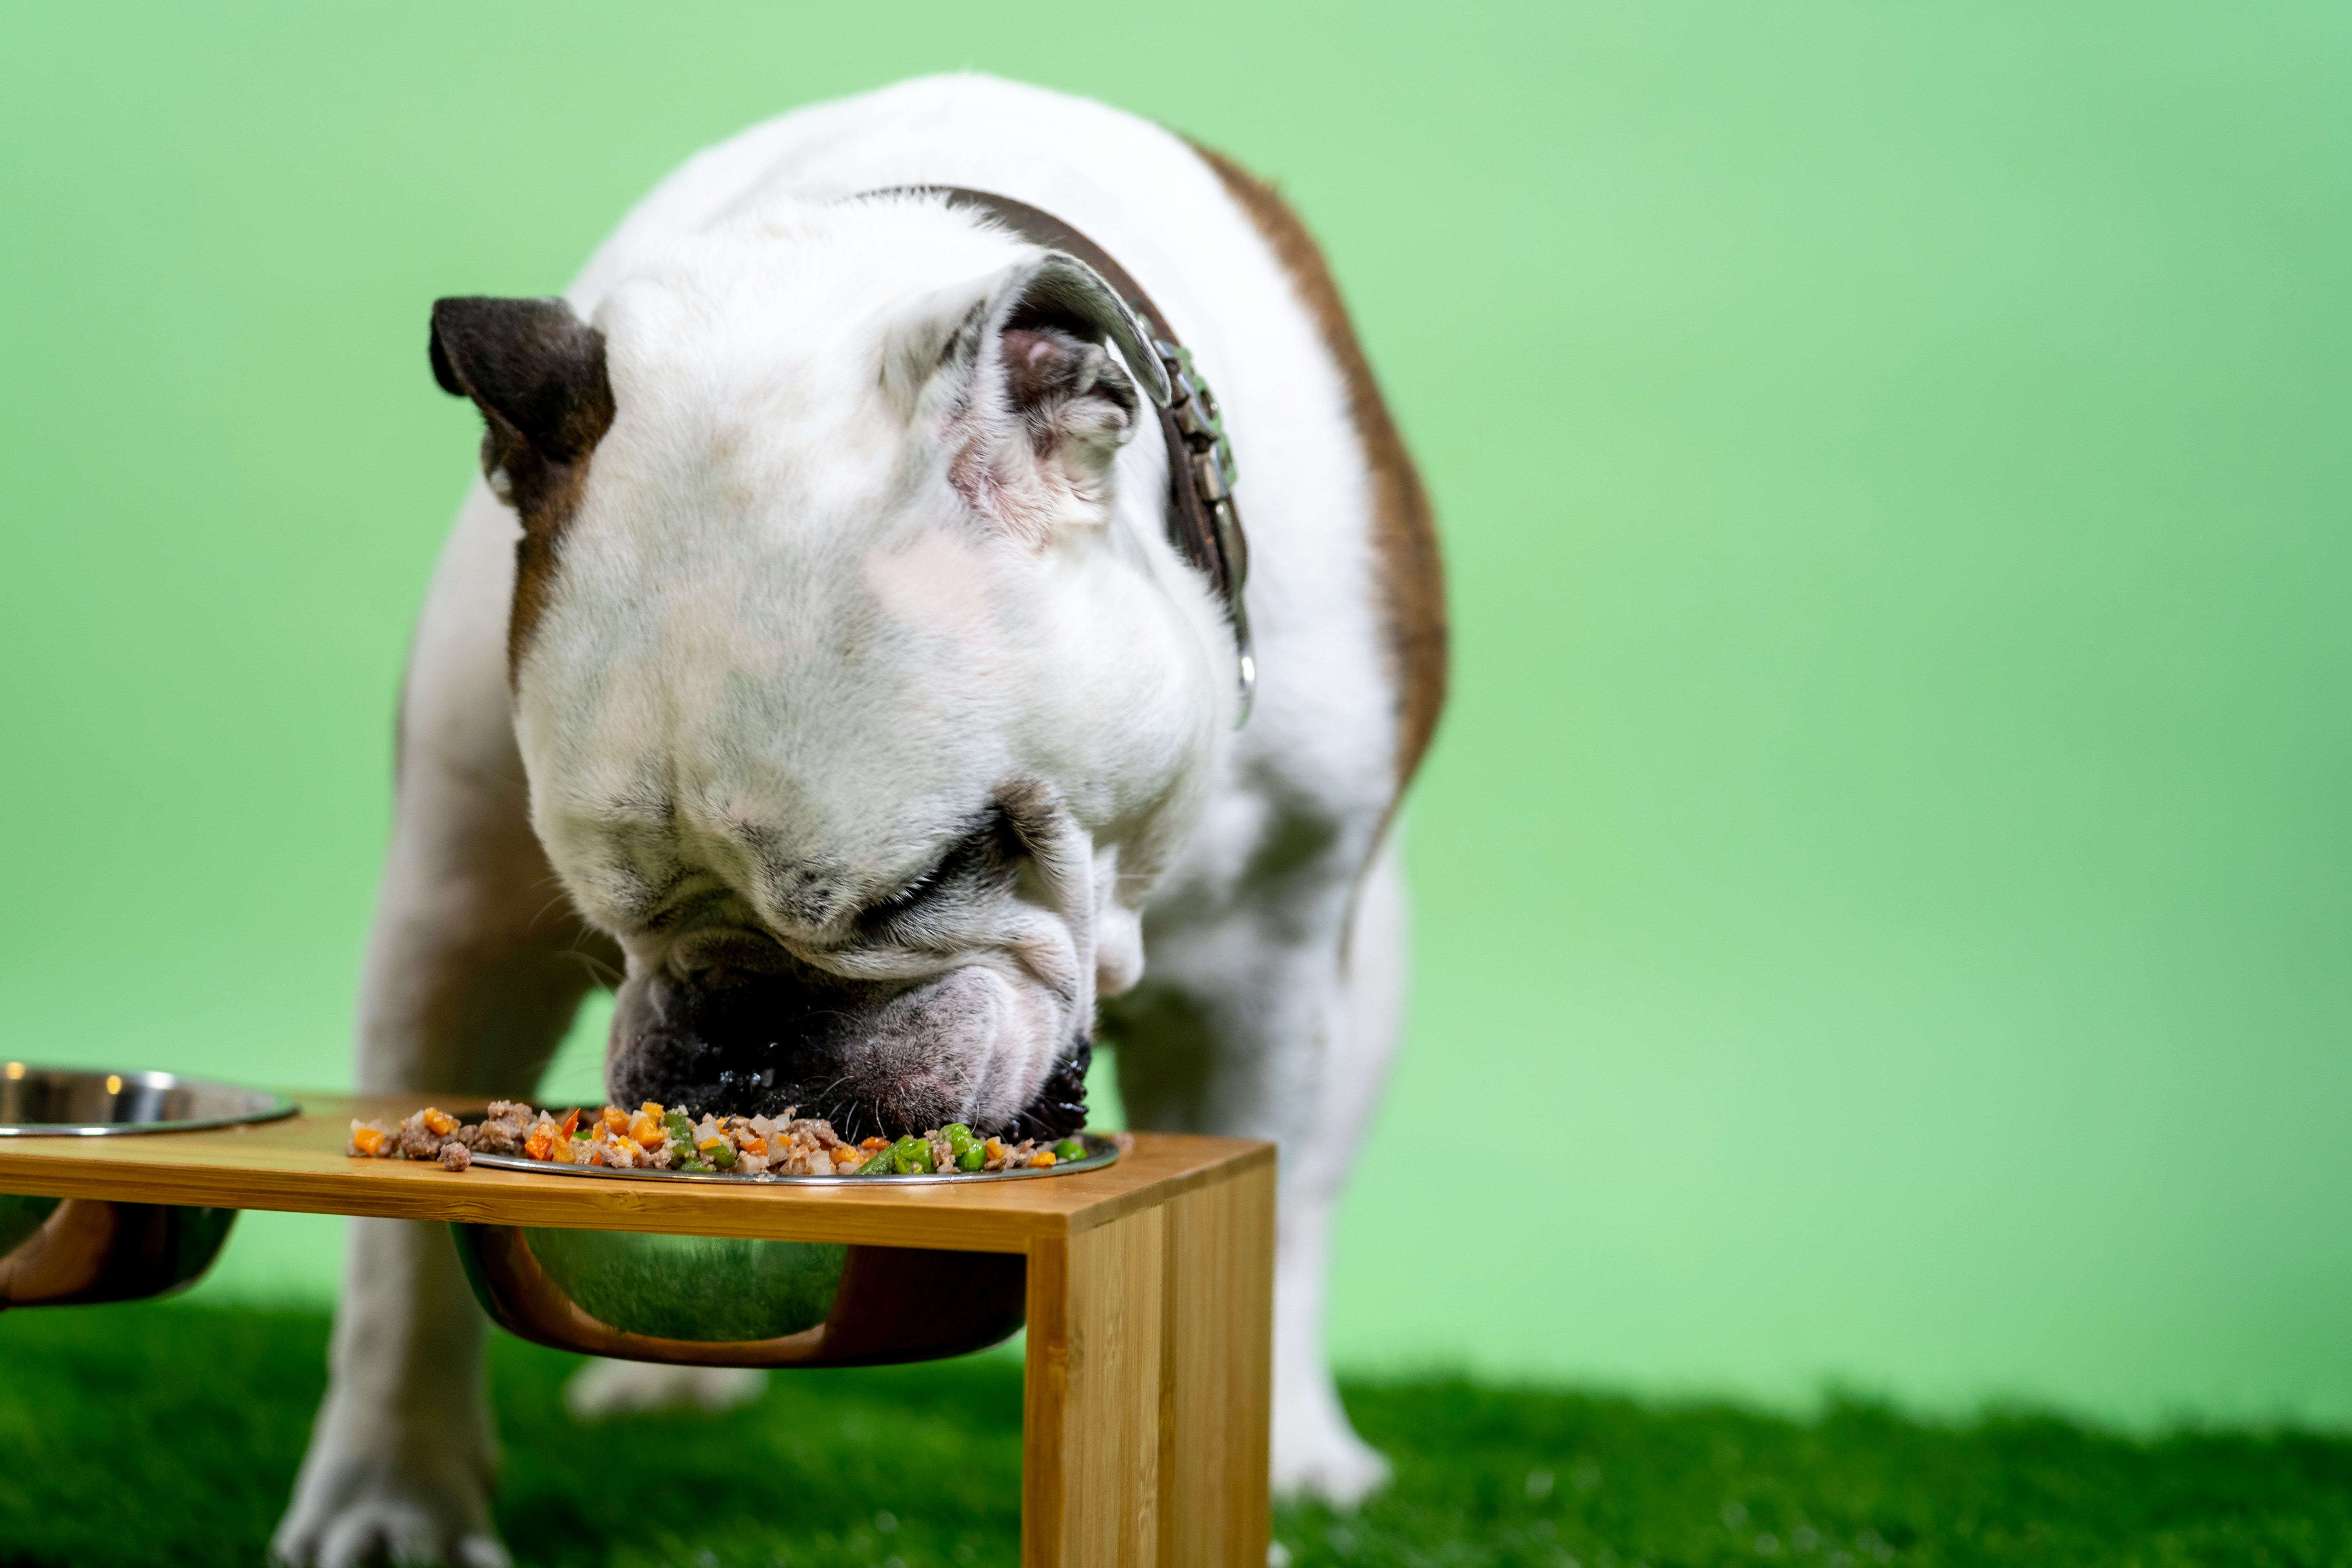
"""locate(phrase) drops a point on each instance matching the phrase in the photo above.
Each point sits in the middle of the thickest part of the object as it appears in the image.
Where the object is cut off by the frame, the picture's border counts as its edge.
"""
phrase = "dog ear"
(1038, 391)
(537, 372)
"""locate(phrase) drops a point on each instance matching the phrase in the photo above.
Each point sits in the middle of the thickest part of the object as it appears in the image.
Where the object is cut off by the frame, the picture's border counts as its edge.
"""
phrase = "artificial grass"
(170, 1434)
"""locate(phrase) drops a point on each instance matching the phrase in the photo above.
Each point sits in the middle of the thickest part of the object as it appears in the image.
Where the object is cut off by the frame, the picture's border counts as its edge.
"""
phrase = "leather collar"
(1203, 521)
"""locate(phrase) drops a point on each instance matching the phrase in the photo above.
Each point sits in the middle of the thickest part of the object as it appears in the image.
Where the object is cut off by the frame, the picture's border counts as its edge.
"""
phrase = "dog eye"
(986, 857)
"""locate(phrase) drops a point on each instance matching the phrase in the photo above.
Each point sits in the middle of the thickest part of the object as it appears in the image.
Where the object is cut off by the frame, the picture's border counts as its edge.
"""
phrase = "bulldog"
(820, 655)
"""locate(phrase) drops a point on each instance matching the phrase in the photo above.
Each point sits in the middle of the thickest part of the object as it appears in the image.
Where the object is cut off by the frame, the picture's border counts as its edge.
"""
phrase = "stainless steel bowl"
(57, 1252)
(68, 1102)
(68, 1252)
(702, 1301)
(720, 1301)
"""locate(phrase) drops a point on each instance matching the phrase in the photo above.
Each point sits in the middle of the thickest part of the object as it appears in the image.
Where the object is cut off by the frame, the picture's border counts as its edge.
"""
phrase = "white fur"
(774, 489)
(605, 1388)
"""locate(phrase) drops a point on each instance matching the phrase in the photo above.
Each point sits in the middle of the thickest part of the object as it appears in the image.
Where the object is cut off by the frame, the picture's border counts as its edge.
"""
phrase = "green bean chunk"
(721, 1155)
(877, 1166)
(1069, 1149)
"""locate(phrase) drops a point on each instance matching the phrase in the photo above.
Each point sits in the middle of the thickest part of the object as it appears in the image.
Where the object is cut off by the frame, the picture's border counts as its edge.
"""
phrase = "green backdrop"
(1884, 879)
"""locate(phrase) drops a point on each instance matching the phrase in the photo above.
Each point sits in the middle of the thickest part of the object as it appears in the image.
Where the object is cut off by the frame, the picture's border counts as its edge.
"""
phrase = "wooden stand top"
(298, 1164)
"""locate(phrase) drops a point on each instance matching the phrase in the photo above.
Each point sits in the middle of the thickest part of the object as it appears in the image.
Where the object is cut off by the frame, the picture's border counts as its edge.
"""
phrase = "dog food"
(663, 1138)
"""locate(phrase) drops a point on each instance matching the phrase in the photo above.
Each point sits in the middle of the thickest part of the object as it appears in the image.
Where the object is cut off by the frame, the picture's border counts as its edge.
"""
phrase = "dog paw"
(604, 1388)
(1317, 1455)
(361, 1510)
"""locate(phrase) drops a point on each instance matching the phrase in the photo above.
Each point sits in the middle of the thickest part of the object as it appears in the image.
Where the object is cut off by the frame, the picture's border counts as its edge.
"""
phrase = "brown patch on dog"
(537, 372)
(1404, 533)
(535, 560)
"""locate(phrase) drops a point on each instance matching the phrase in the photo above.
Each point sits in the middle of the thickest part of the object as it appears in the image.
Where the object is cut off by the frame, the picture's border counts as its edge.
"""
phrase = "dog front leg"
(475, 966)
(402, 1457)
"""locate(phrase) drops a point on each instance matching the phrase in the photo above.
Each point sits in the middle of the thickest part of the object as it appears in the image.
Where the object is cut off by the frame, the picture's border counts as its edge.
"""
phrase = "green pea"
(877, 1166)
(971, 1157)
(911, 1156)
(958, 1139)
(1069, 1149)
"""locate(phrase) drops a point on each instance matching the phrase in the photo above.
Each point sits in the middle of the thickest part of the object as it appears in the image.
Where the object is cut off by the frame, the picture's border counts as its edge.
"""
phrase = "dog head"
(859, 698)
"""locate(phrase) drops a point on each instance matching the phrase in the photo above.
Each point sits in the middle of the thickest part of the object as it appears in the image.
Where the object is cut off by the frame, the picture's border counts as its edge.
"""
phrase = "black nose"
(745, 1044)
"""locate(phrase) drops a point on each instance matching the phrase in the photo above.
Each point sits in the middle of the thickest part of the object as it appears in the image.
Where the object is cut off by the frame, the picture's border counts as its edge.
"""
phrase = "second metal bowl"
(71, 1252)
(57, 1252)
(70, 1102)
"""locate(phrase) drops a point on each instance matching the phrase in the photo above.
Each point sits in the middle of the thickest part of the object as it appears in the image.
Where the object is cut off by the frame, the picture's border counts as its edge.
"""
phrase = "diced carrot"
(1042, 1158)
(752, 1145)
(439, 1123)
(367, 1139)
(540, 1144)
(652, 1109)
(595, 1155)
(716, 1139)
(614, 1117)
(571, 1121)
(871, 1144)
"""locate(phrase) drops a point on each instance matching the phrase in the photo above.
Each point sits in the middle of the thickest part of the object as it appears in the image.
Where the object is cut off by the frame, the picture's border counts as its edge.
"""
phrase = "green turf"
(170, 1433)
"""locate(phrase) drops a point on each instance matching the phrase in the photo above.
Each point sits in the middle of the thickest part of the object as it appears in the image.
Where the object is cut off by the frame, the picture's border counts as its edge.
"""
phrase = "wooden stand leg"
(1091, 1411)
(1148, 1405)
(1216, 1397)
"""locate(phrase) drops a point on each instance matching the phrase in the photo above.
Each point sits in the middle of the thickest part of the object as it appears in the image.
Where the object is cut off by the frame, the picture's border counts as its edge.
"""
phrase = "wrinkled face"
(857, 702)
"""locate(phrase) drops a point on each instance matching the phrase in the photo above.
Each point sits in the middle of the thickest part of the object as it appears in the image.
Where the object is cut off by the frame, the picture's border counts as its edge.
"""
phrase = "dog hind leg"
(1315, 1450)
(1252, 1023)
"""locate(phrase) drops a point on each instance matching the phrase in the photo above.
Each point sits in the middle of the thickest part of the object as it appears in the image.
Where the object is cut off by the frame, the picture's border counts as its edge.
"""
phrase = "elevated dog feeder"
(1146, 1285)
